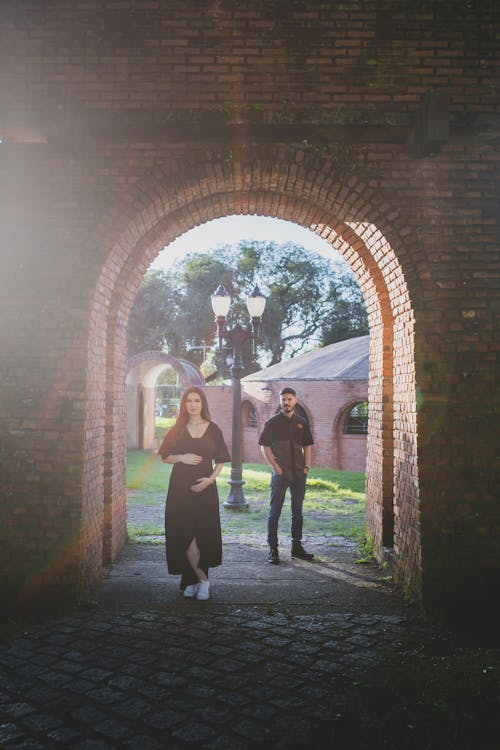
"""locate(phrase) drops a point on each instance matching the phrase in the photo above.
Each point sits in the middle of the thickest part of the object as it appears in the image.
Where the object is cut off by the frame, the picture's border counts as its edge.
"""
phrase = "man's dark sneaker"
(273, 557)
(299, 551)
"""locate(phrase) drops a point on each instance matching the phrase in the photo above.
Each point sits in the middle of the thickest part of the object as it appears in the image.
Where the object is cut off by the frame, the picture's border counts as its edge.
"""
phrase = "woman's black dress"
(191, 514)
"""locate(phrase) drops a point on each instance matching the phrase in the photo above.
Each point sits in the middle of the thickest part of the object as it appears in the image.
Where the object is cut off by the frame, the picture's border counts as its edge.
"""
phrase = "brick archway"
(143, 370)
(305, 193)
(379, 136)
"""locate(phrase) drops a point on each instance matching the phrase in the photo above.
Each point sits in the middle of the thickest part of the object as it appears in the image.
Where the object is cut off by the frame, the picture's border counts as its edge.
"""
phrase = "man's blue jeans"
(279, 485)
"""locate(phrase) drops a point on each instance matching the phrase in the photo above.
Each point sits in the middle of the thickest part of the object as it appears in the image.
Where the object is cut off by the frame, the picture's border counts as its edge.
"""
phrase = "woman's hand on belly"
(201, 484)
(190, 459)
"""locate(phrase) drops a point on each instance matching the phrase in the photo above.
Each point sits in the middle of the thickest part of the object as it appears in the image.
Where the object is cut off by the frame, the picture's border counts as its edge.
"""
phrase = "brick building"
(330, 382)
(374, 124)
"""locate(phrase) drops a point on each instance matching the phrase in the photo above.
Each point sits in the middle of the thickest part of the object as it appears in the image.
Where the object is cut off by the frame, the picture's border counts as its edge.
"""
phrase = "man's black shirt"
(287, 437)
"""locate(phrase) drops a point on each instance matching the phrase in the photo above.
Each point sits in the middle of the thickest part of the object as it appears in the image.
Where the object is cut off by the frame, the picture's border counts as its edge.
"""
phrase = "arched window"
(356, 422)
(248, 415)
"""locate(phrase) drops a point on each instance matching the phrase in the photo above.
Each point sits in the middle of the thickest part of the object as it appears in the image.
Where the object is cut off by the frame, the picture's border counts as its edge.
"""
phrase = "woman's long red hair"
(183, 415)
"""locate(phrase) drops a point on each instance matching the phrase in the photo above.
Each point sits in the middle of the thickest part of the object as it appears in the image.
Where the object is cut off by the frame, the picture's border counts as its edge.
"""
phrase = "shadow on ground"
(333, 582)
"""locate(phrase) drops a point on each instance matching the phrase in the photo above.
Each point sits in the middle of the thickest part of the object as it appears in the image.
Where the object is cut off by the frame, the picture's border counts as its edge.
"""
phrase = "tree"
(198, 276)
(294, 282)
(157, 305)
(347, 316)
(309, 302)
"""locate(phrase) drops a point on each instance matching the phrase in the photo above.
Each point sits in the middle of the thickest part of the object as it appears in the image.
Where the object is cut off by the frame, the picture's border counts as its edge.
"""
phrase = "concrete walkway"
(334, 582)
(275, 659)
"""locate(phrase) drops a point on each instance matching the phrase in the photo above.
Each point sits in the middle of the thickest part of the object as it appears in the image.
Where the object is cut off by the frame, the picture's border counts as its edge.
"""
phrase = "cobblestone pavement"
(156, 679)
(276, 666)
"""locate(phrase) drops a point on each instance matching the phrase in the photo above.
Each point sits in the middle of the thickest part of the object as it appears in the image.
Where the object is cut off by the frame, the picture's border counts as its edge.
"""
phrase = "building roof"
(344, 360)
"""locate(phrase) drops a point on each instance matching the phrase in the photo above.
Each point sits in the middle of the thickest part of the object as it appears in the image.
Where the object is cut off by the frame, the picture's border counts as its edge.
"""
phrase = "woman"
(192, 523)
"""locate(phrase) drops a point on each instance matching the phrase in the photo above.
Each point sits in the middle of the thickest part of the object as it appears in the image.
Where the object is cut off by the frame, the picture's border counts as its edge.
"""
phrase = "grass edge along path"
(334, 505)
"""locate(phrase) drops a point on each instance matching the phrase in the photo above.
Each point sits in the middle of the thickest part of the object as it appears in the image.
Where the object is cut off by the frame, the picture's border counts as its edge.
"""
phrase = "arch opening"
(145, 393)
(391, 477)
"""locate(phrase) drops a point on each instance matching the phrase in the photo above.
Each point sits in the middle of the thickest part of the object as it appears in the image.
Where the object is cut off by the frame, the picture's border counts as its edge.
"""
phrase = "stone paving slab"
(332, 582)
(268, 662)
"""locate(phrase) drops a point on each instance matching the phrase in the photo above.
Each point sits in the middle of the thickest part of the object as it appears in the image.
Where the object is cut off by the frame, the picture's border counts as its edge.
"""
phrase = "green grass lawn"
(334, 504)
(162, 424)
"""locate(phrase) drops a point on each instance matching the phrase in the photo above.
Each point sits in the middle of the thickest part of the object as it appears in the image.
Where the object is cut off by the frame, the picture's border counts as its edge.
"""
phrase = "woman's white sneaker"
(202, 592)
(191, 591)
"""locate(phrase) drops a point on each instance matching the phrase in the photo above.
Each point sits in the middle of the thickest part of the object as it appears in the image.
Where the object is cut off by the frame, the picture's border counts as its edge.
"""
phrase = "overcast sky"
(232, 229)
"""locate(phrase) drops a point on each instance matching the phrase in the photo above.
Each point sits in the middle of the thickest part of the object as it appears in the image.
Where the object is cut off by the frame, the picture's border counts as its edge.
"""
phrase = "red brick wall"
(325, 403)
(127, 123)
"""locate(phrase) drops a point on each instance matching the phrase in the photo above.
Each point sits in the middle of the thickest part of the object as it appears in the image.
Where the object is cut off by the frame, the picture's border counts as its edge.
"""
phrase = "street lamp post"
(256, 303)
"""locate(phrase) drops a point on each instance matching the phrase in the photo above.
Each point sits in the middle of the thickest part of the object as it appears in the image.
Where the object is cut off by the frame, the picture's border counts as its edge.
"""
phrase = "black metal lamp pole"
(236, 338)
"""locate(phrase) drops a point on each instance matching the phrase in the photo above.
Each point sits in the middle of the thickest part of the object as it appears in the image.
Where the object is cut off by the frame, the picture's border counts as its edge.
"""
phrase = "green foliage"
(146, 532)
(310, 302)
(366, 549)
(157, 306)
(347, 314)
(295, 284)
(162, 424)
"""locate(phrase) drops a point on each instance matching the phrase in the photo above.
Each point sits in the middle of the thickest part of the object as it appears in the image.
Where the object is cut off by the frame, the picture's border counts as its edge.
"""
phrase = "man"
(286, 446)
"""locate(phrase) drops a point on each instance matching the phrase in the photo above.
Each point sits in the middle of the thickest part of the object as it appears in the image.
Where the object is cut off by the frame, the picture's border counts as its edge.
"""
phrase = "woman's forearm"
(216, 471)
